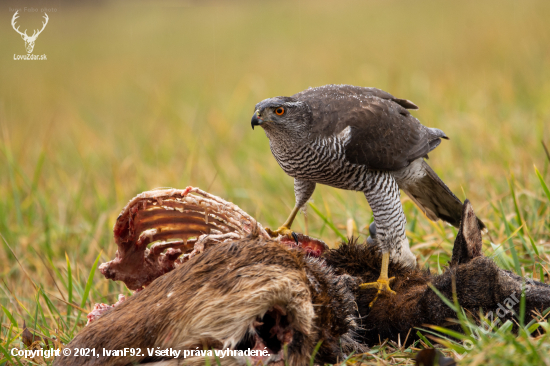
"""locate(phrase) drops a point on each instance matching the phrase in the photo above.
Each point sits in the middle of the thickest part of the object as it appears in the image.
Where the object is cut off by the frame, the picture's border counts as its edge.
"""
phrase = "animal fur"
(258, 293)
(480, 283)
(245, 294)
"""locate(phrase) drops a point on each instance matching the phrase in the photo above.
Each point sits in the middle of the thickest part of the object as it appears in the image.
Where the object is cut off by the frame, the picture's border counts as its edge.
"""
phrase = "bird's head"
(281, 114)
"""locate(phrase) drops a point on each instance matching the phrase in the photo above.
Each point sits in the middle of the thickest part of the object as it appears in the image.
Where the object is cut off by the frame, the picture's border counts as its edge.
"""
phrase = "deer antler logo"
(29, 41)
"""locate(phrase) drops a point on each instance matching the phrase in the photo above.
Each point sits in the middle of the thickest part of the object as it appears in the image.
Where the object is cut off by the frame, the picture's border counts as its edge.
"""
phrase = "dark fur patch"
(340, 318)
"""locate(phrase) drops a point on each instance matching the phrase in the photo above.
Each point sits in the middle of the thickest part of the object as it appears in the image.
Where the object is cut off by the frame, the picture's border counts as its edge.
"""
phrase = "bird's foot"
(382, 284)
(283, 230)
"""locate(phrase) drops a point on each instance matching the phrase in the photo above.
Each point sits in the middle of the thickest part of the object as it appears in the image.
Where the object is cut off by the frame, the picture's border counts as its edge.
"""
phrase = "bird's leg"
(383, 282)
(303, 190)
(388, 231)
(284, 229)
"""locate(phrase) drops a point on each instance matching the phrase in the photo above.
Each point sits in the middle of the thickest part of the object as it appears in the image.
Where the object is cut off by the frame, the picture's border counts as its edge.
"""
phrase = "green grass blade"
(87, 288)
(450, 332)
(53, 308)
(216, 357)
(8, 356)
(532, 327)
(9, 315)
(344, 362)
(543, 184)
(36, 311)
(69, 286)
(516, 207)
(57, 273)
(13, 184)
(500, 256)
(328, 222)
(534, 246)
(38, 170)
(424, 339)
(443, 298)
(315, 350)
(505, 328)
(513, 251)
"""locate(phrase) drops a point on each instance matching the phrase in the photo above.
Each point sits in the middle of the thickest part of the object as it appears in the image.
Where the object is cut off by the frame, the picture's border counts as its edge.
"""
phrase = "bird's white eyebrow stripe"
(294, 104)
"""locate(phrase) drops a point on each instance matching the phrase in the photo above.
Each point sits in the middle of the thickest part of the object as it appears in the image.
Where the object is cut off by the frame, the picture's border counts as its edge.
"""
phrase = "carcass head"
(251, 295)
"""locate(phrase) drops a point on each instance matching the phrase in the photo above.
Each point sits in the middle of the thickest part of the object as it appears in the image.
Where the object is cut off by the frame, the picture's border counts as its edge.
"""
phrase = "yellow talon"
(383, 282)
(283, 230)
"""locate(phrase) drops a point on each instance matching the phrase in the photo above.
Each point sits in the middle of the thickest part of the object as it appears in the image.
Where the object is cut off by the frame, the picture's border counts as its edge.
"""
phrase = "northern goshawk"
(361, 139)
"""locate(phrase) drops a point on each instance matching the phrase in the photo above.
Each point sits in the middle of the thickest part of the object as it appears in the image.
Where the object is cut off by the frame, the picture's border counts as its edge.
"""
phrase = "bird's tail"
(435, 199)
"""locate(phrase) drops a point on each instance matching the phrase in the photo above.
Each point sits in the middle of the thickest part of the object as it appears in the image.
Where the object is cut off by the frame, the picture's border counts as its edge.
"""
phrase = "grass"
(139, 96)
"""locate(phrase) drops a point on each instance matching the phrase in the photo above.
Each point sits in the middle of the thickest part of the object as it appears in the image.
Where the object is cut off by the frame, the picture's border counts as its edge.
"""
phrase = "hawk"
(360, 139)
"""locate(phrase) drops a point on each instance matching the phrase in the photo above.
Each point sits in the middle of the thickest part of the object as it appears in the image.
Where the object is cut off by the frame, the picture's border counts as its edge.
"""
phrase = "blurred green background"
(148, 94)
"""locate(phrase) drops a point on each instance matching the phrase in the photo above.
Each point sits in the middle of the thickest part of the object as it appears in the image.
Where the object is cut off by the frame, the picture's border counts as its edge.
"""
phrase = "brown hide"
(244, 294)
(257, 293)
(480, 283)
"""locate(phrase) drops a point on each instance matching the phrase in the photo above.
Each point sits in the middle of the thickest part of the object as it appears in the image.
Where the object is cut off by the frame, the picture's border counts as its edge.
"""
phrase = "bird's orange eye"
(280, 111)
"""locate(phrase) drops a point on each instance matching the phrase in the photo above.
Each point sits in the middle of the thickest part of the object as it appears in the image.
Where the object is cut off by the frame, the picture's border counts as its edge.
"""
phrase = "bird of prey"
(360, 139)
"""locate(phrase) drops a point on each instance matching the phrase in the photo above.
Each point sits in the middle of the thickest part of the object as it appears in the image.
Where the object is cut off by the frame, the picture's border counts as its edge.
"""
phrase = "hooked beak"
(256, 121)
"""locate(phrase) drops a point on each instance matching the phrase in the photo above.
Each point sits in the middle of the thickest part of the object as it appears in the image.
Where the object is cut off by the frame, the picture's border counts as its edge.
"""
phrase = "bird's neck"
(284, 140)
